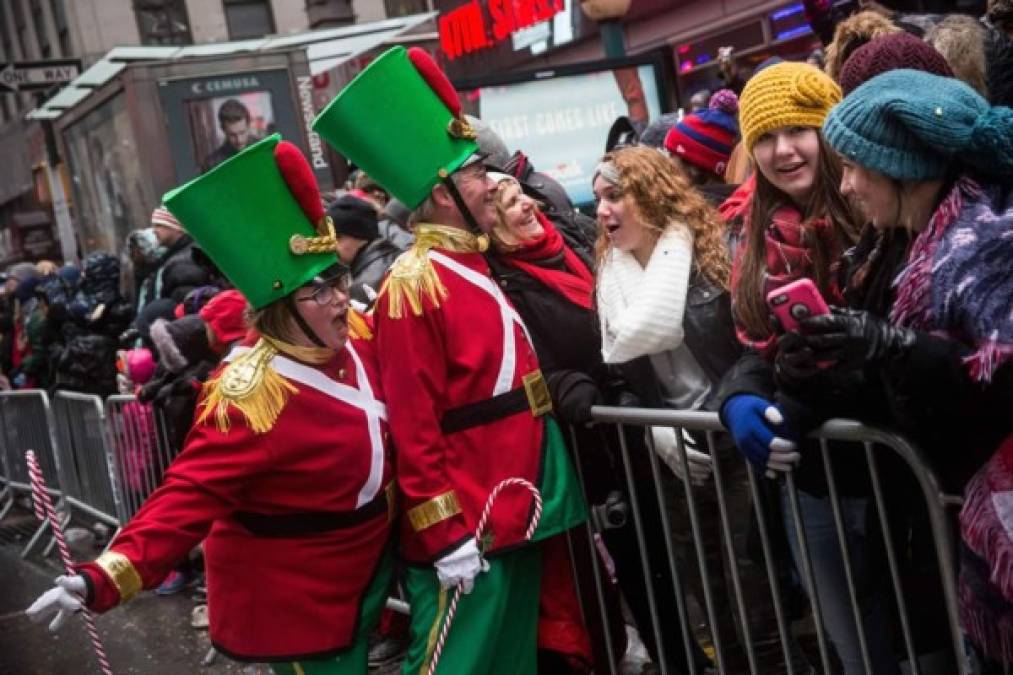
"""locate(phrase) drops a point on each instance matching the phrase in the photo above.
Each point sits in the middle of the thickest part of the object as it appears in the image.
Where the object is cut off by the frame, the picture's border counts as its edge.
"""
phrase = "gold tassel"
(252, 386)
(412, 276)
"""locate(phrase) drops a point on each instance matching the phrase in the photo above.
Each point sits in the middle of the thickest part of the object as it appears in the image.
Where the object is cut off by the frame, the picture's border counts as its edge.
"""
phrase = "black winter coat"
(370, 265)
(177, 273)
(925, 393)
(566, 340)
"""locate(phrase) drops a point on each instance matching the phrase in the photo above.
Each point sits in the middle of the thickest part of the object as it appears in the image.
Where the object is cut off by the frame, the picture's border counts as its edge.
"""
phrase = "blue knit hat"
(911, 125)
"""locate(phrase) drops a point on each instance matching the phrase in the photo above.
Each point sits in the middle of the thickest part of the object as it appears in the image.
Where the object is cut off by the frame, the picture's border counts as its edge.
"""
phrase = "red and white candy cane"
(44, 511)
(479, 531)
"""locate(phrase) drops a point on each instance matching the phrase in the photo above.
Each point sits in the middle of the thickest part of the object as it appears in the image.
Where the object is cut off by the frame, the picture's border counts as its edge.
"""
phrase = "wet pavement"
(150, 636)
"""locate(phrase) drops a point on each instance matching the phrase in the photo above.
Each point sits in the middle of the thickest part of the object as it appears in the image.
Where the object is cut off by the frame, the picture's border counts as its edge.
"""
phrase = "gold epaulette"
(413, 278)
(252, 386)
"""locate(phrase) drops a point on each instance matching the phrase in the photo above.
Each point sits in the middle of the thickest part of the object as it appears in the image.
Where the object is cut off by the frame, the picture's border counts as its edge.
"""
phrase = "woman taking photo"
(284, 475)
(928, 331)
(792, 223)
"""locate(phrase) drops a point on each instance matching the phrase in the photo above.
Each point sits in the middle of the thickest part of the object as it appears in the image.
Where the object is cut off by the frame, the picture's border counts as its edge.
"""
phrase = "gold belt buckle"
(539, 399)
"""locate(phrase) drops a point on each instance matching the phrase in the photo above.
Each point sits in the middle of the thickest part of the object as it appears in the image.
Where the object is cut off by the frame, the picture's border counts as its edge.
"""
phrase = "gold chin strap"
(412, 276)
(327, 242)
(315, 355)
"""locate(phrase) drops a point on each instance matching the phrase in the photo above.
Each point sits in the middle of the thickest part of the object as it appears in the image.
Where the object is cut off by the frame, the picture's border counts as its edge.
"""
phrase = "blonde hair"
(273, 320)
(660, 193)
(501, 234)
(852, 33)
(961, 41)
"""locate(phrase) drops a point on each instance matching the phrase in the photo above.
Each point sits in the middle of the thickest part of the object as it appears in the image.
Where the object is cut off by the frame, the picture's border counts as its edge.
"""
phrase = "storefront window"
(105, 167)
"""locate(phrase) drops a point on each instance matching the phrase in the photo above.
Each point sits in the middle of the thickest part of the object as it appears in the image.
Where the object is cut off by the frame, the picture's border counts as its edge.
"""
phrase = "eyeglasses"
(324, 293)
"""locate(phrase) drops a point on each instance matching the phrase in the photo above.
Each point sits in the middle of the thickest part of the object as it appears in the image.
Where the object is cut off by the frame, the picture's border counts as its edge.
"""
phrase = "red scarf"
(786, 258)
(574, 283)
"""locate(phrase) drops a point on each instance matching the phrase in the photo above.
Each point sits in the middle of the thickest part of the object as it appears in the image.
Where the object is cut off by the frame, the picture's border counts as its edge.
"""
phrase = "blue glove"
(755, 423)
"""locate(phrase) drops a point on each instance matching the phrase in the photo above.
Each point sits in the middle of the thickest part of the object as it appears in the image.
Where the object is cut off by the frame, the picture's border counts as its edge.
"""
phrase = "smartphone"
(796, 301)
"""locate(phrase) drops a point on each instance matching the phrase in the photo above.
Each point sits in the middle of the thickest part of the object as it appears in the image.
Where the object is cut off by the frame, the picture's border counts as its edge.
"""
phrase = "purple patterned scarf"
(957, 282)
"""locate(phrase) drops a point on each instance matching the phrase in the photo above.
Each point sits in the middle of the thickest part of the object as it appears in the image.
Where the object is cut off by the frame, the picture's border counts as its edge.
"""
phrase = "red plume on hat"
(438, 82)
(298, 175)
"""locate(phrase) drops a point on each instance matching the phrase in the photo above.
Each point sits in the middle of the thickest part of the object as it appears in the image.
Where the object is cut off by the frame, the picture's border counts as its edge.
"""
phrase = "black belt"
(312, 522)
(486, 411)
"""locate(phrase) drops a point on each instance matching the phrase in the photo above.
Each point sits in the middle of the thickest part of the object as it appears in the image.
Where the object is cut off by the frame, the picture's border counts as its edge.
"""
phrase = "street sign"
(38, 75)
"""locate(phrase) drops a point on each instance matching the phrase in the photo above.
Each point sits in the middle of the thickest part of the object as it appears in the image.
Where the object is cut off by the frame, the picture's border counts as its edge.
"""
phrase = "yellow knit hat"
(787, 94)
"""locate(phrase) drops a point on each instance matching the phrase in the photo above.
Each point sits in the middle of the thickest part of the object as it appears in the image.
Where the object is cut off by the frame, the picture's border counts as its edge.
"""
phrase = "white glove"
(461, 566)
(699, 462)
(64, 599)
(784, 454)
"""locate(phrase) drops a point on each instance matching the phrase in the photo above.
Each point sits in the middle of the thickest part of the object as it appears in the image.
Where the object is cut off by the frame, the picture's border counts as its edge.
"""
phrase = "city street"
(152, 636)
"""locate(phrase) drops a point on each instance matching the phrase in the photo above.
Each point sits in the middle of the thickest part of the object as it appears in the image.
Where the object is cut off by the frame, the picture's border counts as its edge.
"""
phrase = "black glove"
(854, 338)
(573, 393)
(794, 364)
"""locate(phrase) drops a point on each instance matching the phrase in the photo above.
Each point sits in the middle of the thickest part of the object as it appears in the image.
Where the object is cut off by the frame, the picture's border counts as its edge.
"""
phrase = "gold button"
(341, 374)
(276, 285)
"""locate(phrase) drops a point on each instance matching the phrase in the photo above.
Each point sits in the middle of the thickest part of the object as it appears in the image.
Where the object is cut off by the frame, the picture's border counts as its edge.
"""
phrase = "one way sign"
(38, 75)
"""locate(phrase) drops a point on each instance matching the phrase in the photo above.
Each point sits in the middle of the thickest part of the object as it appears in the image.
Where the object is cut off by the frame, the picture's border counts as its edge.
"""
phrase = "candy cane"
(479, 531)
(44, 511)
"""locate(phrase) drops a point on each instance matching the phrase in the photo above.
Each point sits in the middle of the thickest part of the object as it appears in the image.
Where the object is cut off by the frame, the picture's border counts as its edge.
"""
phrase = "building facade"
(39, 30)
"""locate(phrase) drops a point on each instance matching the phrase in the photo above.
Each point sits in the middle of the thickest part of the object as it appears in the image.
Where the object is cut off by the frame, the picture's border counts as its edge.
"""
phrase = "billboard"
(212, 118)
(560, 119)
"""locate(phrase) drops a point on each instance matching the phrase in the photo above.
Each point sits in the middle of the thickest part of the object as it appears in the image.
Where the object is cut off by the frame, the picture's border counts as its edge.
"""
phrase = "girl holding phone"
(791, 222)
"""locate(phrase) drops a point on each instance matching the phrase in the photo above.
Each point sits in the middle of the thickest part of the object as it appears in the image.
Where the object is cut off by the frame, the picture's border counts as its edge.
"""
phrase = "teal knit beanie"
(912, 125)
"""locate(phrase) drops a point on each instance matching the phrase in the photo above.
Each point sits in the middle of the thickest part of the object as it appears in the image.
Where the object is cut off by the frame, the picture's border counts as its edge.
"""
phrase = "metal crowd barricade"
(82, 447)
(26, 423)
(140, 450)
(723, 597)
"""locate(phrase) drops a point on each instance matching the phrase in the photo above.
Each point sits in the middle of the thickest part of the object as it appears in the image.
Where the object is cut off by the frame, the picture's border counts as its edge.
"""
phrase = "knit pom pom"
(725, 101)
(991, 142)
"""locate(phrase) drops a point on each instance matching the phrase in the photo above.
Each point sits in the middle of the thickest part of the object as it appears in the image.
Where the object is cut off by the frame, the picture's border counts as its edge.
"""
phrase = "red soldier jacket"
(464, 392)
(294, 517)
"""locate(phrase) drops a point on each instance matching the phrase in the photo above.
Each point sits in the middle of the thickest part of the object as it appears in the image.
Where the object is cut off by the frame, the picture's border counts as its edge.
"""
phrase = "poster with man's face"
(213, 118)
(224, 125)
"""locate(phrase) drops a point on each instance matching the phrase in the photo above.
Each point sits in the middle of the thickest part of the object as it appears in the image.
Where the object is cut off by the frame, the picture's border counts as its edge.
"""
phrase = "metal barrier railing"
(26, 423)
(81, 444)
(140, 450)
(707, 599)
(704, 599)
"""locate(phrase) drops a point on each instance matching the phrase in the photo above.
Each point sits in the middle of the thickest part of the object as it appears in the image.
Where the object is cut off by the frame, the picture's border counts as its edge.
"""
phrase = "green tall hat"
(400, 121)
(259, 216)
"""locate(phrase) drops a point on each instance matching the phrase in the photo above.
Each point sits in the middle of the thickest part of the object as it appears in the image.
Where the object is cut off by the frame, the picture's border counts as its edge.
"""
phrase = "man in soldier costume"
(468, 405)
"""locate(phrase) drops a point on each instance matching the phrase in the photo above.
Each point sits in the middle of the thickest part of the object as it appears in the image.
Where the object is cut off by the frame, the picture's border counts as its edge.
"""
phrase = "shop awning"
(325, 49)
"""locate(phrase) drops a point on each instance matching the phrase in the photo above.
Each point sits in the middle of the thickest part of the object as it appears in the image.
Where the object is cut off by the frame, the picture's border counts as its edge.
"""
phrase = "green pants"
(495, 630)
(352, 661)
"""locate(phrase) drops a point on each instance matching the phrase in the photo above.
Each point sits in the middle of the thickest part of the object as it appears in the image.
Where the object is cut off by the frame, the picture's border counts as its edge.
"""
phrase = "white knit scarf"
(640, 308)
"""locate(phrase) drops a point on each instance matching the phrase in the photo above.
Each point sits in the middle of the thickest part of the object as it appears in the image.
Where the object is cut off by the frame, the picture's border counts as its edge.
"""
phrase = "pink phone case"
(796, 301)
